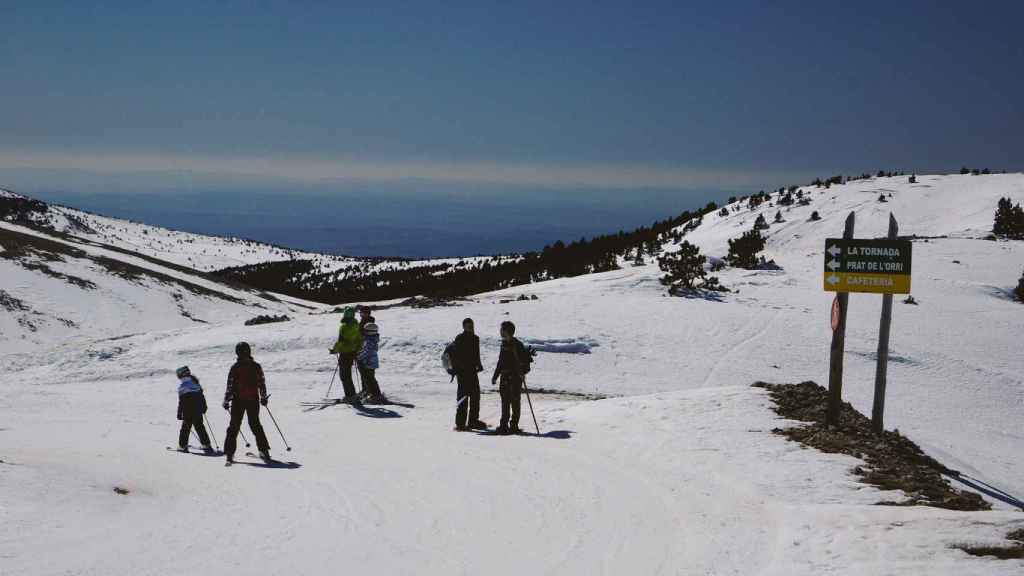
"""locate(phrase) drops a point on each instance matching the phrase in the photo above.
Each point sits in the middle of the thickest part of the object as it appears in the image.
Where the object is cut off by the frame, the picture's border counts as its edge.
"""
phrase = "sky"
(573, 98)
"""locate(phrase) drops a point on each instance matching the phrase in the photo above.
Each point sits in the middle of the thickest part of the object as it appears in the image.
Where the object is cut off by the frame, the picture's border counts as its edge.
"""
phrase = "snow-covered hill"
(202, 252)
(63, 291)
(676, 473)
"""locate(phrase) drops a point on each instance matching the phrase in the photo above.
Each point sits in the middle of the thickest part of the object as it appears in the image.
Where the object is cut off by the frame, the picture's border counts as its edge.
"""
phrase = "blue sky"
(570, 95)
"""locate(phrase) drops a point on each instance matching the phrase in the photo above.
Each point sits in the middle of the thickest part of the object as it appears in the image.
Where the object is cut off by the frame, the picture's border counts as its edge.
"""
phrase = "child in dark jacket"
(191, 407)
(368, 361)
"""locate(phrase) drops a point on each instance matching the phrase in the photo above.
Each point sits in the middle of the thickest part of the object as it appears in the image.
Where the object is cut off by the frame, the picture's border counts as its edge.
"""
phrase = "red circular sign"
(835, 313)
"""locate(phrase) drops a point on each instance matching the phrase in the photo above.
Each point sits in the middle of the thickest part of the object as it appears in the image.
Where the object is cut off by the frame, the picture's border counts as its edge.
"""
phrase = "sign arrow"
(834, 250)
(832, 265)
(833, 279)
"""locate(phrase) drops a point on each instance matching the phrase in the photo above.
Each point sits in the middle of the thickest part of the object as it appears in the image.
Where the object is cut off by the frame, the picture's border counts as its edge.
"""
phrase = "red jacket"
(245, 382)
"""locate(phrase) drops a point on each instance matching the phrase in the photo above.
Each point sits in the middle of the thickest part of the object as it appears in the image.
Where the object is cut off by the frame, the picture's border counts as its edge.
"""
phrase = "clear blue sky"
(564, 94)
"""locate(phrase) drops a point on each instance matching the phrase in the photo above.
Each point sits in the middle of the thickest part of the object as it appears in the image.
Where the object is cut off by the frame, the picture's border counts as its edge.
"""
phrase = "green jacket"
(350, 338)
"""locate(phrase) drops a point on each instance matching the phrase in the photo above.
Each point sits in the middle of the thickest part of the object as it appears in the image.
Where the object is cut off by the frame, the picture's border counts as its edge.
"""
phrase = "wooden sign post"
(835, 367)
(873, 266)
(882, 365)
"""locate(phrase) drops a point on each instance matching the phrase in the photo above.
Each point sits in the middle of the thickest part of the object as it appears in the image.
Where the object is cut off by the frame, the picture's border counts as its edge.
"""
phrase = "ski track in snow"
(677, 474)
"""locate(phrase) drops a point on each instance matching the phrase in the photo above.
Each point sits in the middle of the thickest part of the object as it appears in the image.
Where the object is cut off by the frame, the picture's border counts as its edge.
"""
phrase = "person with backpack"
(465, 363)
(350, 342)
(191, 407)
(246, 391)
(513, 364)
(368, 361)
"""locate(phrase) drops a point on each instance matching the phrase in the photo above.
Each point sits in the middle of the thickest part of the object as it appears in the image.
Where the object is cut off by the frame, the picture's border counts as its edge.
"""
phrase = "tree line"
(400, 279)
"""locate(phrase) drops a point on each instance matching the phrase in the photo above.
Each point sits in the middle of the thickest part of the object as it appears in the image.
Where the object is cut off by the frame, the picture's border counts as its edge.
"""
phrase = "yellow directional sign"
(877, 266)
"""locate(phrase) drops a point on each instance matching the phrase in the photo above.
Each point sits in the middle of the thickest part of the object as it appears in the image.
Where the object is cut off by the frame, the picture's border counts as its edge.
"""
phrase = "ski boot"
(207, 449)
(265, 455)
(478, 425)
(182, 448)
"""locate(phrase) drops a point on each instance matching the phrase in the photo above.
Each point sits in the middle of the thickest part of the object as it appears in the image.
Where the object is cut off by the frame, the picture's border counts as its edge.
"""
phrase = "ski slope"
(677, 472)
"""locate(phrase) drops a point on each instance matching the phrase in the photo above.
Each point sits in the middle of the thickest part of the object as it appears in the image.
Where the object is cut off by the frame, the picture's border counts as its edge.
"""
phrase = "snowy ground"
(678, 473)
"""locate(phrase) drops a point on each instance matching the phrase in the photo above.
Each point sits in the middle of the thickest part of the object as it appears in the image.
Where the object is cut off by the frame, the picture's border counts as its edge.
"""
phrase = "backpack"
(525, 356)
(448, 359)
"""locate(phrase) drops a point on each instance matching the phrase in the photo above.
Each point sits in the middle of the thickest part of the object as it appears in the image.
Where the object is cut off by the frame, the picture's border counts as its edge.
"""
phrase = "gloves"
(226, 405)
(264, 400)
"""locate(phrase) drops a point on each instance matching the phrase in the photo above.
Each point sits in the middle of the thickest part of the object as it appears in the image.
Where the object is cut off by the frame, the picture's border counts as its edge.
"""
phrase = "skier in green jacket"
(350, 341)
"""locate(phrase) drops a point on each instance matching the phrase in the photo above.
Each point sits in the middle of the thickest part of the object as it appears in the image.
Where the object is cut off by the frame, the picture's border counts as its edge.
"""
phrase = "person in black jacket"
(467, 366)
(513, 364)
(246, 391)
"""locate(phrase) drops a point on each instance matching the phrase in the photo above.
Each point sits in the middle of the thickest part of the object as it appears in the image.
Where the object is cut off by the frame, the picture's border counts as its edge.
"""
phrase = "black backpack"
(525, 356)
(448, 360)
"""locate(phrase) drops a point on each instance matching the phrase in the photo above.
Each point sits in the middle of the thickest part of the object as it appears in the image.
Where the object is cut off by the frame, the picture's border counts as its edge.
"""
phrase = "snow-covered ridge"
(60, 289)
(199, 251)
(9, 194)
(954, 206)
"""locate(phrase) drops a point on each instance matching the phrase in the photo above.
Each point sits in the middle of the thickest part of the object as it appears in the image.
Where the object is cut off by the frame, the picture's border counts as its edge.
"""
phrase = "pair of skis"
(336, 401)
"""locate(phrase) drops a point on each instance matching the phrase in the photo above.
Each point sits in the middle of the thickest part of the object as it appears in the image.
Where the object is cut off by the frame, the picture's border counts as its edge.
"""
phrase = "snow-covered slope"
(202, 252)
(677, 473)
(955, 361)
(64, 292)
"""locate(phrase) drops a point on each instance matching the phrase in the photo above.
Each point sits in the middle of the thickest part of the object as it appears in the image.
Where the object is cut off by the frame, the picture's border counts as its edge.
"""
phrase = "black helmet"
(183, 372)
(243, 350)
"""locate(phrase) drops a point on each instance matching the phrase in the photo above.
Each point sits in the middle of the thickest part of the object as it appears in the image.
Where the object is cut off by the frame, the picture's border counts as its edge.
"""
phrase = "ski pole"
(211, 433)
(274, 420)
(331, 387)
(195, 435)
(244, 439)
(527, 390)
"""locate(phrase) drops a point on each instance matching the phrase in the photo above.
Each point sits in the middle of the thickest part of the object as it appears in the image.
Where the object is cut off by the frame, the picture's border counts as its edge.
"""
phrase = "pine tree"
(743, 250)
(1009, 220)
(682, 268)
(778, 217)
(760, 223)
(815, 216)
